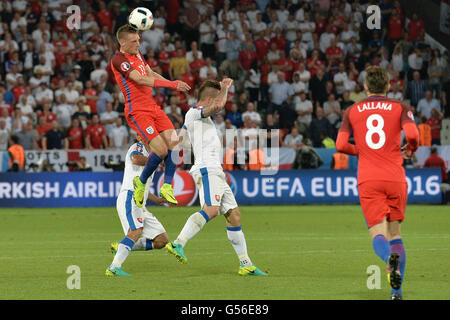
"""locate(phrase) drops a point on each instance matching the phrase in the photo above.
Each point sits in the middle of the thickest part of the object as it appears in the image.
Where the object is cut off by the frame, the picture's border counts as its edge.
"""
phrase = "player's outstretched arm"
(219, 102)
(156, 82)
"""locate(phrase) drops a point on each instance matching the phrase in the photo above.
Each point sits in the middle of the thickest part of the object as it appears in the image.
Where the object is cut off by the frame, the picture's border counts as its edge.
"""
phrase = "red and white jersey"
(377, 124)
(137, 97)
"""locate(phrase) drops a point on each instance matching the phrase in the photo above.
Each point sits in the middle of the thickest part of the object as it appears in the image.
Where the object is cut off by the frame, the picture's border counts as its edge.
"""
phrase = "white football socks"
(122, 253)
(237, 239)
(193, 225)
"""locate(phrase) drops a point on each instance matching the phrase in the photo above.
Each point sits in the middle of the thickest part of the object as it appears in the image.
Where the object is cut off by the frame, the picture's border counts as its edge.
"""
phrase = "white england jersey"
(132, 170)
(204, 139)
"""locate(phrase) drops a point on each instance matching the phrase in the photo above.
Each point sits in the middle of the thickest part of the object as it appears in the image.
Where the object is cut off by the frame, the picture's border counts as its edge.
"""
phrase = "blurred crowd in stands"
(297, 66)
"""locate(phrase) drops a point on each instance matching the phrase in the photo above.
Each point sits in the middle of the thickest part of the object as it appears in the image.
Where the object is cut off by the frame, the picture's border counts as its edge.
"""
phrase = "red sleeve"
(346, 125)
(342, 144)
(121, 64)
(412, 136)
(409, 127)
(407, 115)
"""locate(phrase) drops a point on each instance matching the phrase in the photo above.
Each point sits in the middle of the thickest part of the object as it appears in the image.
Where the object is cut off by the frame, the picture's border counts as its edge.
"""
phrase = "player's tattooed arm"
(156, 82)
(154, 74)
(220, 101)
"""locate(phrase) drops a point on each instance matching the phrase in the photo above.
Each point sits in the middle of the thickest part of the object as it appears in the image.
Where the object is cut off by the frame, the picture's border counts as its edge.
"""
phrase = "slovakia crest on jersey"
(125, 66)
(139, 148)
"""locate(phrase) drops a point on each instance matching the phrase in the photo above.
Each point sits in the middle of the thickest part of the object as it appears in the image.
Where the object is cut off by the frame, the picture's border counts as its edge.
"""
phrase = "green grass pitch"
(310, 252)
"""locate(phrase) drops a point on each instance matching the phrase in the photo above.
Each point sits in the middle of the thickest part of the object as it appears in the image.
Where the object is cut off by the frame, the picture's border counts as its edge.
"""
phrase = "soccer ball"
(141, 19)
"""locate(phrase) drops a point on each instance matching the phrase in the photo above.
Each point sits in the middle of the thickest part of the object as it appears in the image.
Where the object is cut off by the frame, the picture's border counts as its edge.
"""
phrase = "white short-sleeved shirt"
(117, 134)
(304, 106)
(204, 139)
(253, 115)
(109, 116)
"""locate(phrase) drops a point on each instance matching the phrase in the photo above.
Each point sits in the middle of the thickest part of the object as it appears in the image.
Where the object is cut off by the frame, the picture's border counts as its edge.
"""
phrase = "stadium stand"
(296, 64)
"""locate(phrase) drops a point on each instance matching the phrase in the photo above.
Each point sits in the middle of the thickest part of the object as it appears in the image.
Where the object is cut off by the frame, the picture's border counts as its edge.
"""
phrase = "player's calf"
(160, 241)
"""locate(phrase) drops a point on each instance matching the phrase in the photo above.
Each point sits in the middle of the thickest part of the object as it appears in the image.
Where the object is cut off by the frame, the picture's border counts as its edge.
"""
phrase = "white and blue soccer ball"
(141, 19)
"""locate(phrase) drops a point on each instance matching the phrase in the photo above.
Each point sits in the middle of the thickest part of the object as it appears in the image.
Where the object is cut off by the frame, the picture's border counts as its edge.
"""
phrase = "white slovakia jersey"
(132, 170)
(204, 139)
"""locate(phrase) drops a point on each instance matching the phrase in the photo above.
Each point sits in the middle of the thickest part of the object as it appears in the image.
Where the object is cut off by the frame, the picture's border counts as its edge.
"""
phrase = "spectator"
(414, 27)
(416, 89)
(327, 142)
(95, 135)
(346, 101)
(25, 107)
(118, 137)
(82, 112)
(91, 94)
(54, 138)
(339, 161)
(108, 118)
(357, 94)
(208, 71)
(304, 109)
(415, 62)
(396, 92)
(247, 56)
(178, 65)
(28, 136)
(435, 123)
(424, 132)
(253, 81)
(435, 161)
(318, 126)
(332, 109)
(44, 94)
(64, 112)
(194, 51)
(293, 140)
(317, 86)
(16, 155)
(280, 93)
(175, 116)
(252, 114)
(4, 135)
(207, 33)
(427, 104)
(230, 66)
(235, 116)
(71, 94)
(191, 23)
(298, 86)
(435, 73)
(339, 79)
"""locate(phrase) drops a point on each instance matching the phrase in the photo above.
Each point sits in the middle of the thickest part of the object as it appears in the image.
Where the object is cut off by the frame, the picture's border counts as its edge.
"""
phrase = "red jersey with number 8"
(377, 124)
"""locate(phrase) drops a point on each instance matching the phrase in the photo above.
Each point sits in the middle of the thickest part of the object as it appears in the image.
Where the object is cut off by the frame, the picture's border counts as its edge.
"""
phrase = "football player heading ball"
(136, 79)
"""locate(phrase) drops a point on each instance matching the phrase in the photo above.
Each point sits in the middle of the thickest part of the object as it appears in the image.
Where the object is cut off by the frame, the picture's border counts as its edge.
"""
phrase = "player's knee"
(134, 234)
(211, 211)
(234, 217)
(161, 151)
(160, 241)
